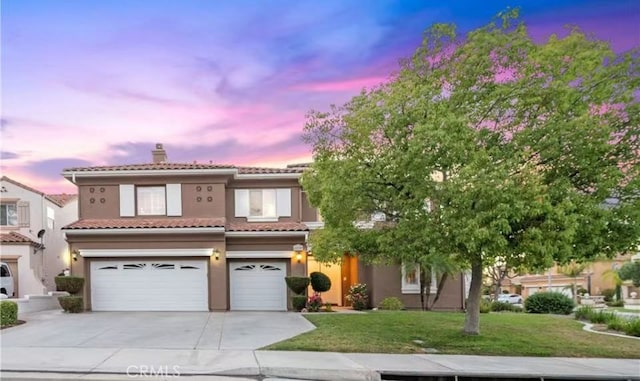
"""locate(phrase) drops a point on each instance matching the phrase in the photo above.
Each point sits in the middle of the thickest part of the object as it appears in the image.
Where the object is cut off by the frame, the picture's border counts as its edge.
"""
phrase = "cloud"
(52, 168)
(6, 155)
(228, 151)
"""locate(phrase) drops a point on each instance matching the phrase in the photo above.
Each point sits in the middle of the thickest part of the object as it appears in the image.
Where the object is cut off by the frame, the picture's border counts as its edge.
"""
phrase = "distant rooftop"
(59, 199)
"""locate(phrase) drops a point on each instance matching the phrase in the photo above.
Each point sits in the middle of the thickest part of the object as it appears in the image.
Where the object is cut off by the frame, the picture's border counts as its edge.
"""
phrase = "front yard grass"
(501, 334)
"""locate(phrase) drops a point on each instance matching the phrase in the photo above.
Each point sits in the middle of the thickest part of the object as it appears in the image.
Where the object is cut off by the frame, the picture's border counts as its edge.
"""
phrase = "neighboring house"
(197, 237)
(595, 278)
(32, 242)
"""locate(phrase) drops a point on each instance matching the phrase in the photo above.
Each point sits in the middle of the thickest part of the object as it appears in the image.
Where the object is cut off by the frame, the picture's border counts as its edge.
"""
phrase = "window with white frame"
(51, 217)
(411, 280)
(151, 200)
(262, 203)
(9, 214)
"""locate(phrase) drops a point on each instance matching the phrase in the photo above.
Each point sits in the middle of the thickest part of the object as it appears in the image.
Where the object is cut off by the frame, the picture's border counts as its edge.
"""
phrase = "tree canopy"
(484, 147)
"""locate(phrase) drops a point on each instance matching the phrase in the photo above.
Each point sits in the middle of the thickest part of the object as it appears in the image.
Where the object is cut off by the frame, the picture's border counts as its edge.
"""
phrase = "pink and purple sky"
(100, 82)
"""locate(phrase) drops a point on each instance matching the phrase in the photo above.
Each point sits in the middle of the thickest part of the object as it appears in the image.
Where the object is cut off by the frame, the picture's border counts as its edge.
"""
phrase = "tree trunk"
(423, 303)
(426, 280)
(443, 279)
(472, 317)
(496, 292)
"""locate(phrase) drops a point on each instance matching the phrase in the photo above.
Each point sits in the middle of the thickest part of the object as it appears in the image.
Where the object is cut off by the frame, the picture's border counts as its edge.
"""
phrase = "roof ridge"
(21, 185)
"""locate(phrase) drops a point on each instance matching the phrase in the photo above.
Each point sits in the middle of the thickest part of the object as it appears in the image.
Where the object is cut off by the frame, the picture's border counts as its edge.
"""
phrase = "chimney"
(159, 154)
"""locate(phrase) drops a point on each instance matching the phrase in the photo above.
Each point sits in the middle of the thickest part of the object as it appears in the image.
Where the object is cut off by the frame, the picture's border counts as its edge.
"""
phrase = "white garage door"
(149, 285)
(258, 286)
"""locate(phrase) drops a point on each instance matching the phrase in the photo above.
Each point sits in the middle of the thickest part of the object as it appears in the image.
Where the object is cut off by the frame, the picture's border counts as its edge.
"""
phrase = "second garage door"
(144, 285)
(258, 286)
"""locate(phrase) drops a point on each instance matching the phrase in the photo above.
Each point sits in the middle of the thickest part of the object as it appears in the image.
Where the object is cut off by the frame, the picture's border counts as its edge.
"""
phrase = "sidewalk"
(101, 363)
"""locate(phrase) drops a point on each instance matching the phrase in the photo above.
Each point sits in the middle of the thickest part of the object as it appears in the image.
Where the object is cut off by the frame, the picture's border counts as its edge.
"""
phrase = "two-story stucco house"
(32, 243)
(196, 237)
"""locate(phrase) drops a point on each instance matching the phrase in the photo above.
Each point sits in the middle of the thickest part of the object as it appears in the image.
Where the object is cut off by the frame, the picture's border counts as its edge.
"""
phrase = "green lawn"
(513, 334)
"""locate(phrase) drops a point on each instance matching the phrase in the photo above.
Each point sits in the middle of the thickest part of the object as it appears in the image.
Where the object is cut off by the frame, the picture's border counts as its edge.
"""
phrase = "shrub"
(485, 306)
(549, 303)
(632, 328)
(582, 291)
(315, 302)
(8, 313)
(583, 313)
(72, 304)
(297, 284)
(608, 294)
(320, 282)
(617, 324)
(299, 302)
(391, 304)
(328, 307)
(630, 271)
(616, 303)
(358, 296)
(70, 284)
(601, 317)
(501, 306)
(516, 309)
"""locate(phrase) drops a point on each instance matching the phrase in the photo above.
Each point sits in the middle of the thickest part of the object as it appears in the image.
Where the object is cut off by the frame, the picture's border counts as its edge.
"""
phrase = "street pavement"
(219, 346)
(101, 363)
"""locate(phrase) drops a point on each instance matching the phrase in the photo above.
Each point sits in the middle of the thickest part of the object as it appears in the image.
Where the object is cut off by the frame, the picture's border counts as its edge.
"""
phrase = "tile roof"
(146, 223)
(266, 227)
(185, 166)
(149, 166)
(61, 199)
(13, 237)
(299, 165)
(261, 170)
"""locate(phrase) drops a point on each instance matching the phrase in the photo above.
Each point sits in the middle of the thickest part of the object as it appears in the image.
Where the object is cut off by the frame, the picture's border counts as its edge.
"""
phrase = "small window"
(151, 201)
(269, 268)
(4, 271)
(262, 203)
(410, 279)
(112, 267)
(8, 214)
(134, 266)
(164, 266)
(188, 267)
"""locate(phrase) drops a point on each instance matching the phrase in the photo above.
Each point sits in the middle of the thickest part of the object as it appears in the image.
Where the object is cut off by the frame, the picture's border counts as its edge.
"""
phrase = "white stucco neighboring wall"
(38, 268)
(56, 252)
(28, 282)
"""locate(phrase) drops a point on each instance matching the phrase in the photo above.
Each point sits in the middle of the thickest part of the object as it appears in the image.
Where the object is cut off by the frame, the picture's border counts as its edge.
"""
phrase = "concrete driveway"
(155, 330)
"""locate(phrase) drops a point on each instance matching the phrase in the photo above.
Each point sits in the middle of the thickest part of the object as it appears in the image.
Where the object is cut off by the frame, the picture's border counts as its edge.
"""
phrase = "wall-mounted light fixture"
(39, 246)
(74, 255)
(298, 248)
(216, 254)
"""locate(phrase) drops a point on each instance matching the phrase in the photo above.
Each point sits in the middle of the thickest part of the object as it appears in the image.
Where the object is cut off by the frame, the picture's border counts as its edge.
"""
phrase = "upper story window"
(157, 200)
(262, 203)
(151, 201)
(9, 214)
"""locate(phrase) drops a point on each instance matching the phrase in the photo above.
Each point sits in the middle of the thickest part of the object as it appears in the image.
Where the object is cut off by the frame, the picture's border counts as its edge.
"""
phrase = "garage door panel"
(258, 286)
(144, 285)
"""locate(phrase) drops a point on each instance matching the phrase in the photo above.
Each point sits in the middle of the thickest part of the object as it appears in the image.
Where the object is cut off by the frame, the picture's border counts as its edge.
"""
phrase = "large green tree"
(485, 147)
